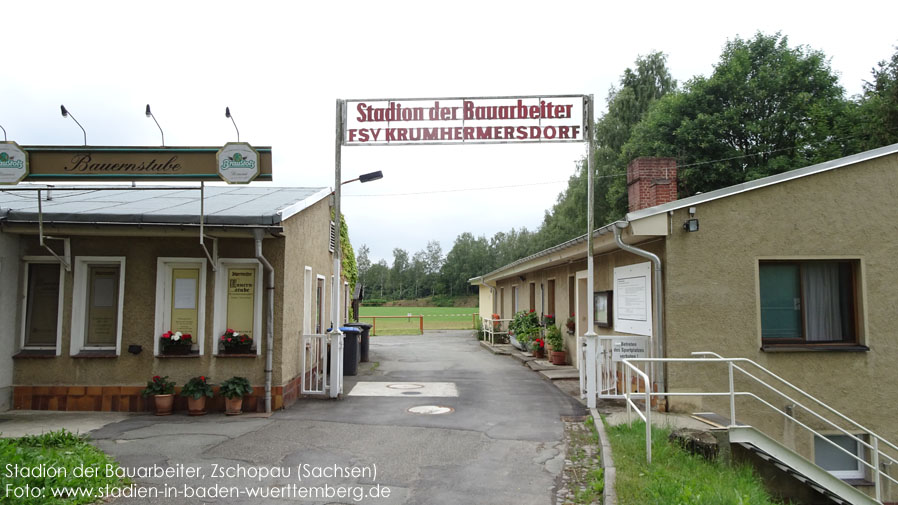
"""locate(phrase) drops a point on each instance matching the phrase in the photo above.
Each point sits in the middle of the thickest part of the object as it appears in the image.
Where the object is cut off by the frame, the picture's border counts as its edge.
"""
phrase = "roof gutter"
(269, 319)
(658, 330)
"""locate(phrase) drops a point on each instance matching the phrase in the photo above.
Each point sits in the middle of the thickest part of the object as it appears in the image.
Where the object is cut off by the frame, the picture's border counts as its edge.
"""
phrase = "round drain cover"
(405, 386)
(431, 410)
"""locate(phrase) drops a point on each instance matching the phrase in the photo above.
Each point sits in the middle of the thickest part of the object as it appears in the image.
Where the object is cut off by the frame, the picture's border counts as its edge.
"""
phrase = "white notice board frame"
(633, 299)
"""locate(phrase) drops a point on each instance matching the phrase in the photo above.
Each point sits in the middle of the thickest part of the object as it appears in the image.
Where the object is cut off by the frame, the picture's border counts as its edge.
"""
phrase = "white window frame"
(27, 260)
(307, 299)
(80, 297)
(857, 473)
(322, 310)
(221, 300)
(164, 267)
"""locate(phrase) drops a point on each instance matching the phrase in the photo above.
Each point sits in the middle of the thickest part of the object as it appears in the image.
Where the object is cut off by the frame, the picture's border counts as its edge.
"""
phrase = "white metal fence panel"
(314, 364)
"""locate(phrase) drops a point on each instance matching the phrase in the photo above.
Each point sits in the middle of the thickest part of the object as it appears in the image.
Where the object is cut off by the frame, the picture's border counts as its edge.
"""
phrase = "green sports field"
(435, 318)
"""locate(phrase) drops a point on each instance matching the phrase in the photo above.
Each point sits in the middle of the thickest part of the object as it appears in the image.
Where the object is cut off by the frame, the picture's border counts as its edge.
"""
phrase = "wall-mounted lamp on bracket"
(691, 224)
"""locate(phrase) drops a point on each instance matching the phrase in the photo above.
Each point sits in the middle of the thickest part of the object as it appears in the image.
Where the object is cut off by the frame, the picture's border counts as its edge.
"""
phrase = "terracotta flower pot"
(164, 404)
(234, 406)
(539, 353)
(559, 357)
(196, 406)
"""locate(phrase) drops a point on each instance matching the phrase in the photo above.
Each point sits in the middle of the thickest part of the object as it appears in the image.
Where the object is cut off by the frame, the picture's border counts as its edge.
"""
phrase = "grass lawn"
(435, 318)
(675, 476)
(60, 459)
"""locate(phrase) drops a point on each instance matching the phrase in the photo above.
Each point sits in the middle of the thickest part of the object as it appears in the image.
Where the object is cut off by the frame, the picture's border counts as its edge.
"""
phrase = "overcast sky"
(280, 66)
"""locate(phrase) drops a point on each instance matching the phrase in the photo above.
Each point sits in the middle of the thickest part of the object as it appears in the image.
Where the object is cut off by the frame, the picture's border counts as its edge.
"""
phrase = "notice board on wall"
(633, 299)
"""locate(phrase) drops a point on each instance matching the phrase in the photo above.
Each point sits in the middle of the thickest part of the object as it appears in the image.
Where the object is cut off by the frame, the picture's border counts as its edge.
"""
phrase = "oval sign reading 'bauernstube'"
(238, 163)
(13, 163)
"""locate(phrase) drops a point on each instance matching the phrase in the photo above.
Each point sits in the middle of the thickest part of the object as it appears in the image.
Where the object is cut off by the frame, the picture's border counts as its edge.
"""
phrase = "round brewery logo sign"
(13, 163)
(238, 163)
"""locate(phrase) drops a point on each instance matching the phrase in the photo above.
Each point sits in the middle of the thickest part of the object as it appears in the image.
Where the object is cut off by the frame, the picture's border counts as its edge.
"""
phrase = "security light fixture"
(691, 225)
(371, 176)
(66, 113)
(228, 115)
(150, 114)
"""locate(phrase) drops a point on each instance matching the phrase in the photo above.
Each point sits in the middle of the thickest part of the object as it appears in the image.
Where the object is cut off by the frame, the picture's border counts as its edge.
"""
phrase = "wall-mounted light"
(135, 349)
(691, 224)
(66, 113)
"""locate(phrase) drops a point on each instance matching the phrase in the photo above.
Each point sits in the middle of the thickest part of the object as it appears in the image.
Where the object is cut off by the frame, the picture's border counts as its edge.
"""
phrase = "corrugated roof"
(223, 205)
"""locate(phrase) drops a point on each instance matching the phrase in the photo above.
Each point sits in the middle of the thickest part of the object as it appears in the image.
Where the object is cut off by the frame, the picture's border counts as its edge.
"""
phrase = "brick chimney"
(651, 181)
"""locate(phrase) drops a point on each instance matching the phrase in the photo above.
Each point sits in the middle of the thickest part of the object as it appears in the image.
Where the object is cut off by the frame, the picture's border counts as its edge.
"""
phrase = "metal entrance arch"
(463, 121)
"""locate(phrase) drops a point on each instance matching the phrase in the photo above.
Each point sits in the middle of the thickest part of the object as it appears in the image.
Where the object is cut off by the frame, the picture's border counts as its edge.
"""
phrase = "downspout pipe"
(269, 318)
(658, 294)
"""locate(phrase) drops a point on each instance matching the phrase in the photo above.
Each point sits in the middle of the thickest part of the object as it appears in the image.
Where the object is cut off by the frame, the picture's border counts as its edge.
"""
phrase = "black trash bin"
(350, 350)
(363, 347)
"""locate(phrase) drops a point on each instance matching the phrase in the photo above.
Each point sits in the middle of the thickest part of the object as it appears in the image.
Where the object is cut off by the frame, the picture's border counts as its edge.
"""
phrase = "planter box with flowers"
(175, 343)
(234, 342)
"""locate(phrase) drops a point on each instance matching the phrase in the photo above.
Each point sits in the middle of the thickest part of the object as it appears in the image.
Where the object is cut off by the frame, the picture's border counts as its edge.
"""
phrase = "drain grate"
(431, 410)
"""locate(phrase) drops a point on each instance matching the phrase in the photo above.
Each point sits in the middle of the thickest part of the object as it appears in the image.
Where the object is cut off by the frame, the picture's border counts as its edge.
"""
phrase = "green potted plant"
(234, 390)
(196, 390)
(162, 390)
(556, 342)
(523, 327)
(234, 342)
(175, 342)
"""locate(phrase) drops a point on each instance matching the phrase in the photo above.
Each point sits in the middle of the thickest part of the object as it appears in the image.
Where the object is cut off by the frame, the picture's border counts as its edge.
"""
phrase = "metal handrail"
(487, 325)
(787, 383)
(732, 393)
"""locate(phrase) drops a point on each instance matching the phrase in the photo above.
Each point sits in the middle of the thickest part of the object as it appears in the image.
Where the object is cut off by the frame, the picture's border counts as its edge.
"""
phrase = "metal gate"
(314, 364)
(610, 374)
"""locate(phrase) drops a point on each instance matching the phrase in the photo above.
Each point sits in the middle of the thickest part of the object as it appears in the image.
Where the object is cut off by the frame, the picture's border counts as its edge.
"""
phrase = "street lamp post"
(336, 364)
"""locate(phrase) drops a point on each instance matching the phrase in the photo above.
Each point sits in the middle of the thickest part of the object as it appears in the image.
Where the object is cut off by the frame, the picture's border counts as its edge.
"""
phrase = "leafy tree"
(400, 266)
(877, 120)
(468, 258)
(363, 262)
(627, 105)
(765, 109)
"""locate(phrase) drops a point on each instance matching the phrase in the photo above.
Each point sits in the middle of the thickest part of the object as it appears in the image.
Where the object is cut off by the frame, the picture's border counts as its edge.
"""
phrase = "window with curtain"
(808, 302)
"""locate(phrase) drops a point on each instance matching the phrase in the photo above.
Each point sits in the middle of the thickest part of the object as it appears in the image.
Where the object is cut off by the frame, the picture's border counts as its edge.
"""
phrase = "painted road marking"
(436, 389)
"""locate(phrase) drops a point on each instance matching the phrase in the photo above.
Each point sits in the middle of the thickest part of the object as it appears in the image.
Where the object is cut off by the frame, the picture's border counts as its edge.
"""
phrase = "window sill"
(35, 354)
(95, 354)
(248, 355)
(858, 482)
(814, 348)
(195, 354)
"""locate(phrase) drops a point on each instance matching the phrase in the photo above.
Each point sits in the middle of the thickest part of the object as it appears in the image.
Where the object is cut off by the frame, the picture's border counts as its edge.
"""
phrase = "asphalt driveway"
(498, 440)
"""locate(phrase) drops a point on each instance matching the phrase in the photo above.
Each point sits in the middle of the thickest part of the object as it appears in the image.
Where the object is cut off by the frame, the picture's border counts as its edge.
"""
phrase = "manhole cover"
(405, 386)
(431, 410)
